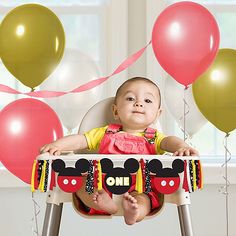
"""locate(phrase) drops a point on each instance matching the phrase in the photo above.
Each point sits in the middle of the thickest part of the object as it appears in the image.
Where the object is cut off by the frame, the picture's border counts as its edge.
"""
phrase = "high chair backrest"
(98, 115)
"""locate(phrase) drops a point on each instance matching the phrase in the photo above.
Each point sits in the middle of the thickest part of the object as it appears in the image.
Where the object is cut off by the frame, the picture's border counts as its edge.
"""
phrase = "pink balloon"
(26, 125)
(185, 40)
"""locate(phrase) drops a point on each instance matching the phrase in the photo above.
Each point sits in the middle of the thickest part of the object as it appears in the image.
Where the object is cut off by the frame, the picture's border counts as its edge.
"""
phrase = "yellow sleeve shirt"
(94, 138)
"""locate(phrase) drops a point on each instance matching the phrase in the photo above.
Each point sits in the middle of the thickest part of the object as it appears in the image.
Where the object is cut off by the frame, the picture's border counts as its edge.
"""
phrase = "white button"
(163, 183)
(65, 181)
(73, 181)
(172, 183)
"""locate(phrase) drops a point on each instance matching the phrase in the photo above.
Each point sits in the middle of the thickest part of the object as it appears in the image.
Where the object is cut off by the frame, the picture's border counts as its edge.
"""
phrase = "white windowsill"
(212, 175)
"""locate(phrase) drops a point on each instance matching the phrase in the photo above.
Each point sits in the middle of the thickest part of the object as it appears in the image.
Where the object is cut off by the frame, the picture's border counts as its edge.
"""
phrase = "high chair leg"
(52, 219)
(185, 220)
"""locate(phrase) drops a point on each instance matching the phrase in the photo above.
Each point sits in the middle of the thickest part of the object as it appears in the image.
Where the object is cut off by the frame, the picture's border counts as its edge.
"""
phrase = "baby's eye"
(130, 99)
(147, 100)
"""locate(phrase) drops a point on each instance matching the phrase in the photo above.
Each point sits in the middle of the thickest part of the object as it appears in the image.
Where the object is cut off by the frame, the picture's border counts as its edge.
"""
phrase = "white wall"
(137, 35)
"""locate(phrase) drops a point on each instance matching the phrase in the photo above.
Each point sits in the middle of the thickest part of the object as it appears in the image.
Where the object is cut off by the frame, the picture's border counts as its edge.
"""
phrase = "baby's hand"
(186, 151)
(51, 148)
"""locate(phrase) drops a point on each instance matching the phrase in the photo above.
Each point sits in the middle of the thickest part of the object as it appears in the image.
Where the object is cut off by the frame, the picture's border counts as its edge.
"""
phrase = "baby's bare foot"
(104, 202)
(130, 206)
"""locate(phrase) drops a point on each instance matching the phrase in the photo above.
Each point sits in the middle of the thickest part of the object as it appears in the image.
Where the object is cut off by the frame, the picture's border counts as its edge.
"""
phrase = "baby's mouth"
(138, 112)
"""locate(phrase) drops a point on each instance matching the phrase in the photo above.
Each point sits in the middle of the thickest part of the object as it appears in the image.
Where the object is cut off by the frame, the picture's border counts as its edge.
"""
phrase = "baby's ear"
(115, 111)
(158, 115)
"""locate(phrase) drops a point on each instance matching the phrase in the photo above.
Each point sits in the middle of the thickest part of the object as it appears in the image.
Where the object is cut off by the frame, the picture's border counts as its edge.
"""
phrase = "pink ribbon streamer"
(87, 86)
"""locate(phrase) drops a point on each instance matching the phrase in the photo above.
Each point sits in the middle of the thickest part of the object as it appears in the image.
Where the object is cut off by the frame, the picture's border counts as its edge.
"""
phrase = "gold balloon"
(32, 42)
(215, 91)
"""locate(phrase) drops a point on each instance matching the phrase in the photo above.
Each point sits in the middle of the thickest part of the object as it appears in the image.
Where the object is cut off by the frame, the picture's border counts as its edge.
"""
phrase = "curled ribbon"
(224, 189)
(87, 86)
(186, 111)
(35, 217)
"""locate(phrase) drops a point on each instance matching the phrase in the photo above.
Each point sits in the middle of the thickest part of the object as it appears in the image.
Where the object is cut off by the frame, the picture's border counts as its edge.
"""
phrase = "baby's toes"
(133, 200)
(126, 196)
(130, 198)
(95, 196)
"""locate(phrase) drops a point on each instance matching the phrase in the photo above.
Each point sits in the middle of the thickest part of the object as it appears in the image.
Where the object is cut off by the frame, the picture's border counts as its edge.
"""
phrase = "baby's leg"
(100, 200)
(136, 207)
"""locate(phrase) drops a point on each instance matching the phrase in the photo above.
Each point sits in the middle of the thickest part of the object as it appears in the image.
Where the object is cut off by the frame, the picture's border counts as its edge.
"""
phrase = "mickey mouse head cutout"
(70, 179)
(167, 180)
(118, 180)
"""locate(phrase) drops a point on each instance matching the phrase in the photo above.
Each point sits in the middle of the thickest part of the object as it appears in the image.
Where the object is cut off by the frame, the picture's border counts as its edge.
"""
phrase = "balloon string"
(35, 217)
(87, 86)
(186, 111)
(224, 189)
(189, 141)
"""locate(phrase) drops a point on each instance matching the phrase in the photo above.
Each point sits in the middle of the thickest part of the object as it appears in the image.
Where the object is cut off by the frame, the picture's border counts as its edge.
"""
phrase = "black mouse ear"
(106, 164)
(154, 166)
(178, 165)
(58, 165)
(82, 165)
(131, 165)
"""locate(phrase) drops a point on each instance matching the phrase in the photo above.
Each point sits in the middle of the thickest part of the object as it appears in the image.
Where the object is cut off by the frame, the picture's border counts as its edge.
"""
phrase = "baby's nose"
(138, 104)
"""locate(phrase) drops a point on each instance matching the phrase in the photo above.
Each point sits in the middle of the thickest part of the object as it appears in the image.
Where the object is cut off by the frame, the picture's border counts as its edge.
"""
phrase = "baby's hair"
(137, 79)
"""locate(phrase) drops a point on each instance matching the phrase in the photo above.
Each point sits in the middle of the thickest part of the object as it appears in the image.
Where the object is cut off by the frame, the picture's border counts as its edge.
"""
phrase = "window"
(208, 140)
(98, 28)
(89, 27)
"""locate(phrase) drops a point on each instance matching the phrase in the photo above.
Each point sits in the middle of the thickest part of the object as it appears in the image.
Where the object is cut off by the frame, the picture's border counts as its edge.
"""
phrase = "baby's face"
(137, 105)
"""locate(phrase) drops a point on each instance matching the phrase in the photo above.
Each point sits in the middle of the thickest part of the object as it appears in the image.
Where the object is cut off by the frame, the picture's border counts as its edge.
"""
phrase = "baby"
(136, 107)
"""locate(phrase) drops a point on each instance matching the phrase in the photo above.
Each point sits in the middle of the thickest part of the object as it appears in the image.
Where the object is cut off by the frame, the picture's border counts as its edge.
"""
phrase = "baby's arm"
(177, 146)
(67, 143)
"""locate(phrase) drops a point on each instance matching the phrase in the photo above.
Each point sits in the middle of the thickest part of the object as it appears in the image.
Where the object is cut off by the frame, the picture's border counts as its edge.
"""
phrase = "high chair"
(99, 115)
